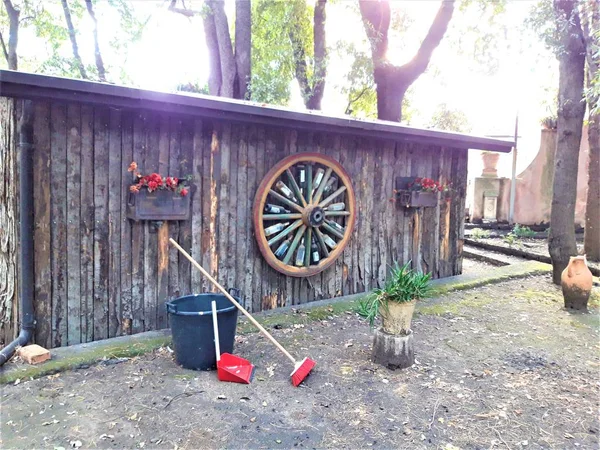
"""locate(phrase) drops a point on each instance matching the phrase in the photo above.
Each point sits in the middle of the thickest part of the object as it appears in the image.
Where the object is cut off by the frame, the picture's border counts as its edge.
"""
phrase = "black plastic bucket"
(192, 328)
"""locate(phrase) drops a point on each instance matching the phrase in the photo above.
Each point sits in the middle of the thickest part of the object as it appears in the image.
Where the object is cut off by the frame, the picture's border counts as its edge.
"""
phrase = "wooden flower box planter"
(417, 199)
(414, 199)
(158, 205)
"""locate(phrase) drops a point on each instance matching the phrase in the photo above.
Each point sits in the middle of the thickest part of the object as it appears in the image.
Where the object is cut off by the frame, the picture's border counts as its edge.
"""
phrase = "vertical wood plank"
(243, 213)
(73, 210)
(259, 150)
(214, 192)
(223, 189)
(42, 248)
(140, 122)
(175, 170)
(163, 233)
(58, 198)
(151, 163)
(126, 313)
(232, 276)
(114, 223)
(461, 180)
(87, 223)
(101, 229)
(187, 165)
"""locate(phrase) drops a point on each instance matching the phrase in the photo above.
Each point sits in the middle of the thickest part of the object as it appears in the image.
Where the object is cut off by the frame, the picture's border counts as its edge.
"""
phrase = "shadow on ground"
(500, 366)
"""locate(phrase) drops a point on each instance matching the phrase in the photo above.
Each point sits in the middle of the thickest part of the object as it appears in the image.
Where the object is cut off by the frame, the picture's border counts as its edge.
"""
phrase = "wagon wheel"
(304, 213)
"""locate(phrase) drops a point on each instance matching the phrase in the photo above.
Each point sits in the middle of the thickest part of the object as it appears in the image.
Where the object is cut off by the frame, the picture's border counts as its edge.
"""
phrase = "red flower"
(143, 181)
(152, 185)
(184, 192)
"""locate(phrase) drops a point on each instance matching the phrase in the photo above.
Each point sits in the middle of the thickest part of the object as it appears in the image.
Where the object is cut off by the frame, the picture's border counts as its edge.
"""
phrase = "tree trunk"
(393, 81)
(591, 241)
(571, 109)
(243, 47)
(97, 53)
(320, 56)
(590, 23)
(13, 35)
(214, 61)
(73, 38)
(228, 66)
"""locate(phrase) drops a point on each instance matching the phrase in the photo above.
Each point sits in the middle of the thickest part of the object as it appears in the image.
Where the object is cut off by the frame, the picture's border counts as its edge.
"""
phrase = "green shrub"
(478, 233)
(522, 231)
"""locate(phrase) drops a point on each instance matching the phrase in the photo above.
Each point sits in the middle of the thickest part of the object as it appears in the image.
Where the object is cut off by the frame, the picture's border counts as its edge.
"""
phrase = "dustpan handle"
(216, 330)
(232, 300)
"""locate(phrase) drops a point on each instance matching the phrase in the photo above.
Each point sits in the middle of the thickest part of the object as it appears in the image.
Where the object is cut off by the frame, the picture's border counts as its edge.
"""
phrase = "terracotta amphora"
(576, 282)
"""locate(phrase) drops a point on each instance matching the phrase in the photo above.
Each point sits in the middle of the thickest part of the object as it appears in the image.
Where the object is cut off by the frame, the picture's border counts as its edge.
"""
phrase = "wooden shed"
(99, 274)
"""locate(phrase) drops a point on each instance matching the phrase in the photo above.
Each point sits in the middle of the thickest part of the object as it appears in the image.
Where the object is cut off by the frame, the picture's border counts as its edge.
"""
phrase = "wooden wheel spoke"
(285, 200)
(333, 230)
(321, 242)
(328, 200)
(295, 187)
(307, 243)
(284, 233)
(282, 216)
(322, 185)
(336, 213)
(294, 244)
(309, 183)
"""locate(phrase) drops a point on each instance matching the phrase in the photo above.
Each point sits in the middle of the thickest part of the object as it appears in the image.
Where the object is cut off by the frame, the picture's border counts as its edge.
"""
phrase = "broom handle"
(232, 300)
(213, 305)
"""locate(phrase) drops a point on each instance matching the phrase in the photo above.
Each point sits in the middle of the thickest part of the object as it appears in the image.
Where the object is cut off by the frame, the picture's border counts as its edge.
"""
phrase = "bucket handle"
(172, 308)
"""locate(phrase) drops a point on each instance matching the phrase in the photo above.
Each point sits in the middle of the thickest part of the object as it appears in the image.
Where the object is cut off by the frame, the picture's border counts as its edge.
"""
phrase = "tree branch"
(98, 54)
(436, 32)
(212, 44)
(13, 34)
(4, 49)
(184, 11)
(300, 66)
(376, 17)
(357, 98)
(73, 38)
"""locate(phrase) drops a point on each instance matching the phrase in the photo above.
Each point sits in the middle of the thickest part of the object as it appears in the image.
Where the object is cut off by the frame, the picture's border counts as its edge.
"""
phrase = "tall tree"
(229, 70)
(311, 78)
(590, 23)
(10, 53)
(392, 81)
(73, 38)
(97, 53)
(571, 110)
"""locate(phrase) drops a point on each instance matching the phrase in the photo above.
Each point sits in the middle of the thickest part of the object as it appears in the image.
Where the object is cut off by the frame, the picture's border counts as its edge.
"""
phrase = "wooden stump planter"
(393, 351)
(397, 317)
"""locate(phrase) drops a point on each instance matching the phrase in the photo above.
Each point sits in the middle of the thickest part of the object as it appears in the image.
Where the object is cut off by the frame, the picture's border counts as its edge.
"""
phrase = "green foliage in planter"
(522, 231)
(402, 286)
(479, 233)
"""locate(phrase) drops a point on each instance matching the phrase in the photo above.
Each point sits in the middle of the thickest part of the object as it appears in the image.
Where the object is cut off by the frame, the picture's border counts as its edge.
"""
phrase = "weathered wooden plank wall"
(98, 275)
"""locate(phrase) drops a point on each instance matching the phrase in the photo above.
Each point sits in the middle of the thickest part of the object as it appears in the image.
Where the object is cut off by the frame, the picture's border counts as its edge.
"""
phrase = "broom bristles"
(302, 371)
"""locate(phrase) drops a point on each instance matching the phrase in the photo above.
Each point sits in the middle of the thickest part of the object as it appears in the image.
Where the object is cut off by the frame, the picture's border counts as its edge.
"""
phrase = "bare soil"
(502, 366)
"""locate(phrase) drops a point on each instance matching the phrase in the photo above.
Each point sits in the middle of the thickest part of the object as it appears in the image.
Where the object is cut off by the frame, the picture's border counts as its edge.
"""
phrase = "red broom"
(301, 368)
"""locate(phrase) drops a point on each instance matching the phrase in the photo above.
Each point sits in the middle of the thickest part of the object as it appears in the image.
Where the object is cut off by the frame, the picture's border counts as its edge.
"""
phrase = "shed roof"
(34, 86)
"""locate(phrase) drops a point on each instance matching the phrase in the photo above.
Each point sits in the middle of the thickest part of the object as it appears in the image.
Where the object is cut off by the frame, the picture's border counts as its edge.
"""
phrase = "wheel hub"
(313, 216)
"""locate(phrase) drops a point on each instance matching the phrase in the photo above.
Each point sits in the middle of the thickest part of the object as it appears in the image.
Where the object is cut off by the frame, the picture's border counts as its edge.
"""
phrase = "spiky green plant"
(403, 285)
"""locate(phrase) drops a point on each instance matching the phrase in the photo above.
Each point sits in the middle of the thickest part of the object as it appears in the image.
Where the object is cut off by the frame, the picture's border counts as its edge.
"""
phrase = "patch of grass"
(478, 233)
(522, 231)
(455, 308)
(87, 357)
(535, 295)
(594, 298)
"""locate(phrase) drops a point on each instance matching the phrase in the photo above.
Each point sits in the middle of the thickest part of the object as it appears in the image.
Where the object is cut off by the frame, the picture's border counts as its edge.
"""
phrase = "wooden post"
(393, 351)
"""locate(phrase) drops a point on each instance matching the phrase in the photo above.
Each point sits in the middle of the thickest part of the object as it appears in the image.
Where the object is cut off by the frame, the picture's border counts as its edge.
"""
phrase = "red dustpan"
(230, 367)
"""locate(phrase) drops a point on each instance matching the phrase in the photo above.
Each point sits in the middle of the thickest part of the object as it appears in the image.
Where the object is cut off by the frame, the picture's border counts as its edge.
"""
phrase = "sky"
(172, 51)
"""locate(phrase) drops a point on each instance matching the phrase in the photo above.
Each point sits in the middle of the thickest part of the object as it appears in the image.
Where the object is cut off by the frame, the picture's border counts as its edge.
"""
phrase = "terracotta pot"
(397, 317)
(576, 282)
(490, 164)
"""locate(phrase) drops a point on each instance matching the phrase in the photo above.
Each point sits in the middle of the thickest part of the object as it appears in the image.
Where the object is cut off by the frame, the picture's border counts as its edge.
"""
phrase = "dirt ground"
(503, 366)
